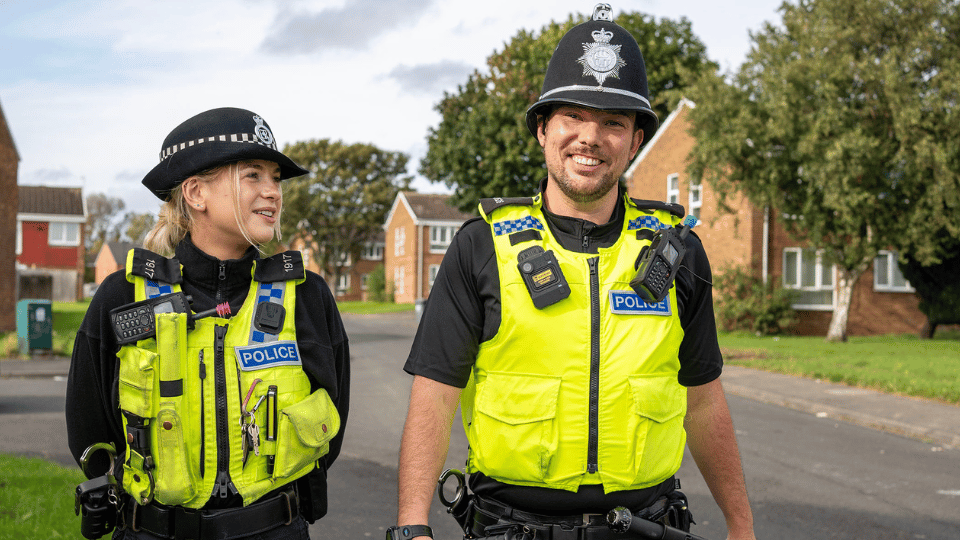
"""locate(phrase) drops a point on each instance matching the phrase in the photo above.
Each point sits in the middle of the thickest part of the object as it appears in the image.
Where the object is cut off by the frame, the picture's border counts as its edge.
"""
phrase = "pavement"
(931, 421)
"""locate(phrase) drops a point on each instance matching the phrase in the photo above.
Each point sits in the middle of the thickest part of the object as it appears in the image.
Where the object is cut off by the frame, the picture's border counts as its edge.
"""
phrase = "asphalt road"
(809, 477)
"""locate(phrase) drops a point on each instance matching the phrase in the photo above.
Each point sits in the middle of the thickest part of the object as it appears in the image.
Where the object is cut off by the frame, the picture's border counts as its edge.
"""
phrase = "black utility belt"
(492, 519)
(226, 524)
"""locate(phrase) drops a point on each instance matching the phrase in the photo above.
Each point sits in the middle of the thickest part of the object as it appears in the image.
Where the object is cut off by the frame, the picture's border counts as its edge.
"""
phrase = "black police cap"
(212, 138)
(597, 64)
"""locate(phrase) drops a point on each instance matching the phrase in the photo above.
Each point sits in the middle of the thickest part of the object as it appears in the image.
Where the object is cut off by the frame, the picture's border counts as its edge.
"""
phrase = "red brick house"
(111, 257)
(419, 228)
(352, 283)
(50, 232)
(9, 164)
(882, 303)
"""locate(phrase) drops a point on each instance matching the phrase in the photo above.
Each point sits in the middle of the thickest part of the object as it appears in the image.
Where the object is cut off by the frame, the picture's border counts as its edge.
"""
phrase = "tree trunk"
(847, 279)
(928, 330)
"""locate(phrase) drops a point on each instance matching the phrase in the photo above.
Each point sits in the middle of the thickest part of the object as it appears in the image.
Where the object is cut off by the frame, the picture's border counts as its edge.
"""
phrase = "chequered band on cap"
(584, 88)
(236, 137)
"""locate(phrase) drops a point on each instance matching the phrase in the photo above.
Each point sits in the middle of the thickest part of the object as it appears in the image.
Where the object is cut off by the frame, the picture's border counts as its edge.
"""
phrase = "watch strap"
(408, 532)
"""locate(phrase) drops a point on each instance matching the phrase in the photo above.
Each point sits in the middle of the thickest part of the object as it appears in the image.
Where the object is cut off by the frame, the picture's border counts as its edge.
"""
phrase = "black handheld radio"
(659, 262)
(137, 321)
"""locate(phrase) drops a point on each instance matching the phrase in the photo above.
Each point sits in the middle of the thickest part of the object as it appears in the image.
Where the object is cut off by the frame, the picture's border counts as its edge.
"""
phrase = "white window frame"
(63, 239)
(343, 283)
(19, 237)
(695, 198)
(820, 283)
(440, 237)
(893, 270)
(432, 271)
(399, 239)
(673, 188)
(363, 281)
(372, 251)
(398, 279)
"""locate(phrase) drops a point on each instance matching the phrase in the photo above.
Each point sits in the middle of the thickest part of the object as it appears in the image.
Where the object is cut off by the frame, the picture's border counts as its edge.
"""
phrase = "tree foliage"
(482, 148)
(101, 211)
(938, 287)
(342, 203)
(844, 119)
(744, 302)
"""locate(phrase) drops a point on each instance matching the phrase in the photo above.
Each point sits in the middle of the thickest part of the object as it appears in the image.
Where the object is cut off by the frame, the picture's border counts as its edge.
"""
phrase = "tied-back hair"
(175, 219)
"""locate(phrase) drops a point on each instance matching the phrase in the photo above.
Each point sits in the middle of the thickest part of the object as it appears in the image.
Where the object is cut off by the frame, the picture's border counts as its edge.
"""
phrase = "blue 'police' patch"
(629, 303)
(267, 355)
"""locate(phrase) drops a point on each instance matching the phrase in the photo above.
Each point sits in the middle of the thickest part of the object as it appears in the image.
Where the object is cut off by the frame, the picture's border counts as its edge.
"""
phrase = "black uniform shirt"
(464, 310)
(92, 403)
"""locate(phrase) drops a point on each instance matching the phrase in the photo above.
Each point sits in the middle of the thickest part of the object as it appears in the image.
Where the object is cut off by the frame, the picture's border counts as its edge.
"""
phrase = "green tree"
(342, 203)
(938, 288)
(844, 119)
(101, 211)
(482, 148)
(134, 227)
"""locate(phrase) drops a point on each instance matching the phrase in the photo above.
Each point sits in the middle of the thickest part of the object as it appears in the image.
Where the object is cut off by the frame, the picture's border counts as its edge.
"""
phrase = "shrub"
(744, 302)
(377, 285)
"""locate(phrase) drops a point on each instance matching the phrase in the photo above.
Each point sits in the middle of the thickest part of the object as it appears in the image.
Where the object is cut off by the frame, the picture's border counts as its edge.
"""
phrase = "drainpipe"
(419, 262)
(766, 244)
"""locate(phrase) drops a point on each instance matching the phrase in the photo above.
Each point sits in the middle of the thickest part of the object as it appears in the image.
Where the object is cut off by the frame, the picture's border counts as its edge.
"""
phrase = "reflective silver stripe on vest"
(267, 292)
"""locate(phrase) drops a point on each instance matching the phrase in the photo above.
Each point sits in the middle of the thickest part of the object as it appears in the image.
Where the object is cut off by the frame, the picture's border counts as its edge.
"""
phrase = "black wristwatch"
(408, 531)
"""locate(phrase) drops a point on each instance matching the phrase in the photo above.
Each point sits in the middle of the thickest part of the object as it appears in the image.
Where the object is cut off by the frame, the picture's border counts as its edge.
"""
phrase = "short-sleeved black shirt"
(463, 310)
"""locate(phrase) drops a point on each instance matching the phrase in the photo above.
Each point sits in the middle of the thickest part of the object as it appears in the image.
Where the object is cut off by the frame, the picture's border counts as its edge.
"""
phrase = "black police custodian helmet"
(212, 138)
(597, 64)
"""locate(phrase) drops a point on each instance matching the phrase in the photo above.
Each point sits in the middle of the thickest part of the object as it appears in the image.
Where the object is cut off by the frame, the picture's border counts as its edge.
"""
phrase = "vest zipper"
(203, 416)
(222, 277)
(594, 410)
(222, 487)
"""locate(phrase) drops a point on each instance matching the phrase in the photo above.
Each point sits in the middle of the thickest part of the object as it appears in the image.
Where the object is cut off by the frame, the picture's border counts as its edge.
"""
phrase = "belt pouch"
(177, 459)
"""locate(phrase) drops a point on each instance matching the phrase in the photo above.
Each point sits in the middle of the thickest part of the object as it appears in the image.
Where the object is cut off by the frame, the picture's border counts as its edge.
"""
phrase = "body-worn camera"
(542, 276)
(659, 262)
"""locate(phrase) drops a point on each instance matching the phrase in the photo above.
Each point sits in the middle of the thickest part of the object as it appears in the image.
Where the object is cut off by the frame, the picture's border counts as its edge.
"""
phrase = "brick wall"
(404, 281)
(9, 163)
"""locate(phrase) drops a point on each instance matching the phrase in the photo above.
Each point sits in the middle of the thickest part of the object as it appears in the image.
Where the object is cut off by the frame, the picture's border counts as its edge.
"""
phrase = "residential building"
(352, 281)
(111, 257)
(50, 251)
(419, 228)
(882, 301)
(9, 164)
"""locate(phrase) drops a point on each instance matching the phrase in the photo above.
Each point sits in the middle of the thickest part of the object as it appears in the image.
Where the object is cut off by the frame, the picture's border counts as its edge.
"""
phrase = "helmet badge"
(600, 58)
(262, 131)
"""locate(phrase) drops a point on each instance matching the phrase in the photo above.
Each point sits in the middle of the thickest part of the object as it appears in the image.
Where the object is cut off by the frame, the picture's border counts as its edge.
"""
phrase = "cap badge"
(600, 58)
(602, 12)
(262, 131)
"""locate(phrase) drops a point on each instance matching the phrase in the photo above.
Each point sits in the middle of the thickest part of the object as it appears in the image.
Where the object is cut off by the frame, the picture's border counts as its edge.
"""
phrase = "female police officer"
(220, 377)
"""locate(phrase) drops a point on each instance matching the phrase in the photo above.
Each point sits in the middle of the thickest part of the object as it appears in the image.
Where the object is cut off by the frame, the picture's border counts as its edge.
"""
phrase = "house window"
(440, 238)
(373, 252)
(19, 238)
(805, 271)
(886, 274)
(343, 284)
(434, 269)
(673, 188)
(63, 234)
(398, 280)
(399, 237)
(696, 200)
(363, 281)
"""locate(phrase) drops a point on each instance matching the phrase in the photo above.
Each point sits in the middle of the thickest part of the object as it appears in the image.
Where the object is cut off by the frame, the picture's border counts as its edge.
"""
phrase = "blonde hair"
(175, 219)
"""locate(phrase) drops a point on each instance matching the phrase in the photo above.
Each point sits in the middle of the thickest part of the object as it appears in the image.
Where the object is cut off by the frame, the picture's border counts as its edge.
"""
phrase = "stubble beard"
(579, 194)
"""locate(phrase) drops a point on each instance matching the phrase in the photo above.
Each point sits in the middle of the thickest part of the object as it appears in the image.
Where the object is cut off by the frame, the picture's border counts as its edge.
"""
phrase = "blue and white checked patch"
(267, 292)
(154, 289)
(646, 222)
(511, 226)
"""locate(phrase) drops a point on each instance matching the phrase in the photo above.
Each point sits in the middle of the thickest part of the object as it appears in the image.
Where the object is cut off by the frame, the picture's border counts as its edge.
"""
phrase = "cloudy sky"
(90, 87)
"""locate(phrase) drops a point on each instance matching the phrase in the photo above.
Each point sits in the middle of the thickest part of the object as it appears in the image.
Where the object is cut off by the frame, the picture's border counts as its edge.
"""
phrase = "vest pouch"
(304, 433)
(177, 474)
(137, 373)
(660, 403)
(515, 435)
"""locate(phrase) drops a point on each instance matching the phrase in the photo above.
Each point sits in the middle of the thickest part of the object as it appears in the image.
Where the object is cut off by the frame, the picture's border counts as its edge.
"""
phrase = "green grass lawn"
(36, 499)
(902, 364)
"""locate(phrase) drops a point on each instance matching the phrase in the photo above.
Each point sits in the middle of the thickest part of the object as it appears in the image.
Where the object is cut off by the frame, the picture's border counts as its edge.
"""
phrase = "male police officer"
(574, 393)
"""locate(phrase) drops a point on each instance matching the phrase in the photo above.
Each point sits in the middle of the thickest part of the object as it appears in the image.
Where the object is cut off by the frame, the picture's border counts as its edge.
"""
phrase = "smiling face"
(586, 151)
(239, 208)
